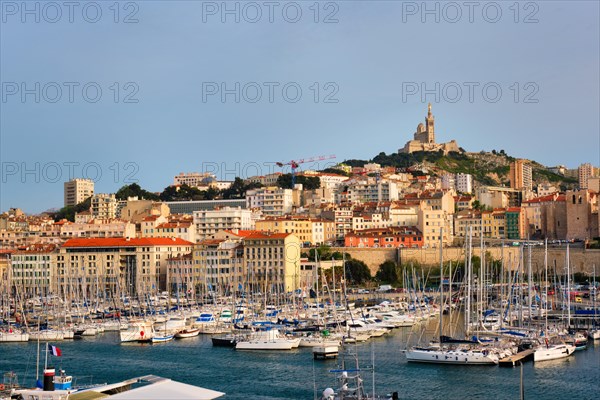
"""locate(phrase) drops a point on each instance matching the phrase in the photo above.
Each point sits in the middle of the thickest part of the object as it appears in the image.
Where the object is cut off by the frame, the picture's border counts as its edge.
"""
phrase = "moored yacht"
(269, 339)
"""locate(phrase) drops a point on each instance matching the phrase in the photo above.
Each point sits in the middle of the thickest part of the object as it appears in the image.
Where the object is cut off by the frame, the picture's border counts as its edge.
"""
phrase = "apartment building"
(272, 261)
(385, 237)
(209, 222)
(104, 206)
(77, 190)
(521, 175)
(220, 263)
(308, 230)
(33, 270)
(273, 201)
(183, 276)
(98, 266)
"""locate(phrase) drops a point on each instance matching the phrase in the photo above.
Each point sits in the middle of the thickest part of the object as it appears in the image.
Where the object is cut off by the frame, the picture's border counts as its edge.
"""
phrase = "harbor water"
(294, 374)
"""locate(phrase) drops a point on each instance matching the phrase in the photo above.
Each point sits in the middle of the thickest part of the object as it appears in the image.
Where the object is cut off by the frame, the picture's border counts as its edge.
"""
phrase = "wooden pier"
(511, 361)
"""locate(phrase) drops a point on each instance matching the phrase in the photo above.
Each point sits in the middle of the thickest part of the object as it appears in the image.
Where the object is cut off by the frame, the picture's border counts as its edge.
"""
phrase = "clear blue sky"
(371, 61)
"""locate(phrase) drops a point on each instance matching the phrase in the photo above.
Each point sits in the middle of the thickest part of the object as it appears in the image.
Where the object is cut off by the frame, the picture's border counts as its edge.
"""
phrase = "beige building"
(116, 266)
(318, 197)
(585, 172)
(220, 263)
(193, 179)
(307, 230)
(521, 175)
(404, 214)
(209, 222)
(273, 201)
(104, 206)
(5, 271)
(33, 271)
(430, 222)
(373, 190)
(135, 210)
(265, 180)
(342, 218)
(95, 228)
(77, 190)
(183, 277)
(273, 262)
(176, 229)
(582, 214)
(148, 225)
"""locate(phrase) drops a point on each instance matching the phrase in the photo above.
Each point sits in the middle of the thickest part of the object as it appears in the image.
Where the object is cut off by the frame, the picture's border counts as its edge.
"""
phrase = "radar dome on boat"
(328, 393)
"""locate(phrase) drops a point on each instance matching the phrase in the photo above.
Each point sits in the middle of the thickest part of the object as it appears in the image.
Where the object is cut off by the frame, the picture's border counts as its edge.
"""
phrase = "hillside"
(487, 168)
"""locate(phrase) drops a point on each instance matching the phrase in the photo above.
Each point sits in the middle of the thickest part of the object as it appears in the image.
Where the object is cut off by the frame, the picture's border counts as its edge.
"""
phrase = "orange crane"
(296, 163)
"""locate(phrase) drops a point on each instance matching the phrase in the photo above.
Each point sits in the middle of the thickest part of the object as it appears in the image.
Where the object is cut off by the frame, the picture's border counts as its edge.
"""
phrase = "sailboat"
(351, 382)
(553, 348)
(594, 333)
(448, 350)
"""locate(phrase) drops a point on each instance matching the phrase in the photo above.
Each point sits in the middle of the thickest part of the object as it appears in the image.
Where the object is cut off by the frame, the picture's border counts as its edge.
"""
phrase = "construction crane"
(296, 163)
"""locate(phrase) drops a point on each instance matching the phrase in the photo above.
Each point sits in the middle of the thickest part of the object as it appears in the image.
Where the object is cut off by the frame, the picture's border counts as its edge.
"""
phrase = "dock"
(511, 361)
(325, 352)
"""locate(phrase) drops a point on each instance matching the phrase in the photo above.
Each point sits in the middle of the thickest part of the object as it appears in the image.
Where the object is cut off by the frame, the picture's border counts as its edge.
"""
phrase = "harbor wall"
(581, 260)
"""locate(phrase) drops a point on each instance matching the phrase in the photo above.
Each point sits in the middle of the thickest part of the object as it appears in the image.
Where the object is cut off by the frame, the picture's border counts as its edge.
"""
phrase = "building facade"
(521, 175)
(104, 206)
(273, 201)
(464, 183)
(209, 222)
(273, 262)
(77, 190)
(385, 237)
(116, 266)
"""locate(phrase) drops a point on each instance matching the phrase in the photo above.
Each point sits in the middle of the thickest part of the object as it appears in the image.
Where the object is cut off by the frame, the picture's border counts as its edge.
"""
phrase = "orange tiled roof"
(241, 232)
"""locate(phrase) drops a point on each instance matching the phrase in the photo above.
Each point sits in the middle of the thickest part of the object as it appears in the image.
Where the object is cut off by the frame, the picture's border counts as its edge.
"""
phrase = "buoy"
(1, 386)
(142, 333)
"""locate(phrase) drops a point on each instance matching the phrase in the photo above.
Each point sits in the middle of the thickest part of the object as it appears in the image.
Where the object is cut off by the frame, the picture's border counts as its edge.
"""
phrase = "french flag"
(55, 350)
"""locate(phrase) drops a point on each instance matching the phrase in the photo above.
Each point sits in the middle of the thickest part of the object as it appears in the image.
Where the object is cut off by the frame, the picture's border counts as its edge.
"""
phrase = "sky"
(139, 91)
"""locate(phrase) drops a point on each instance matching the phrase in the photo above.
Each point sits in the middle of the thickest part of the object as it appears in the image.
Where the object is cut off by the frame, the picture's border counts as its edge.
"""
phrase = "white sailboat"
(445, 352)
(553, 348)
(137, 331)
(267, 340)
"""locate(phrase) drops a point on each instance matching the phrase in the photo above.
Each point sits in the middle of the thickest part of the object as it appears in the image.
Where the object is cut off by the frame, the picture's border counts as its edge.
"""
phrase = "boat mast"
(441, 282)
(568, 290)
(529, 285)
(546, 283)
(468, 310)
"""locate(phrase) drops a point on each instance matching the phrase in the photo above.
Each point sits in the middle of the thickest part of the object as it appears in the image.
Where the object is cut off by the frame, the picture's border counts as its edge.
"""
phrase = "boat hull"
(451, 357)
(553, 352)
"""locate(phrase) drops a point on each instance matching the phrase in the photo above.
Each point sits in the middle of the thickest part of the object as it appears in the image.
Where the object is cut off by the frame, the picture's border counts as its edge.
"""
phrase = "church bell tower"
(429, 125)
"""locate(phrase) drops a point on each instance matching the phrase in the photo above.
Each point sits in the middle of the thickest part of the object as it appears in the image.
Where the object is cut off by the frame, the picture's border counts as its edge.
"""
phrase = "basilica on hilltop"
(425, 138)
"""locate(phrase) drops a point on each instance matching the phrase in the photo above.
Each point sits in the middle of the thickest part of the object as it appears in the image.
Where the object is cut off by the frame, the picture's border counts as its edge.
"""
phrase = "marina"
(295, 375)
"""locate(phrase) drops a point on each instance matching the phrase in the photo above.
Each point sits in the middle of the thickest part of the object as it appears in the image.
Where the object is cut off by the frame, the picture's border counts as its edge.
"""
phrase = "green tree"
(212, 193)
(135, 190)
(336, 171)
(476, 205)
(357, 272)
(308, 182)
(238, 189)
(69, 212)
(388, 272)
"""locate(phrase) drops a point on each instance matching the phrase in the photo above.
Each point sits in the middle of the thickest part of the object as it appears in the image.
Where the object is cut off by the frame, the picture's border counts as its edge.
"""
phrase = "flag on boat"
(55, 350)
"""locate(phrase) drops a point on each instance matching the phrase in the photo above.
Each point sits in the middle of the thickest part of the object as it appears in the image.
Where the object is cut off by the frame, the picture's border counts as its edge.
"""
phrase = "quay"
(511, 361)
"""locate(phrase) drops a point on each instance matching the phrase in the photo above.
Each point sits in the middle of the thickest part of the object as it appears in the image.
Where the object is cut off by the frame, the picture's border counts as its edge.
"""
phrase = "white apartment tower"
(464, 183)
(273, 201)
